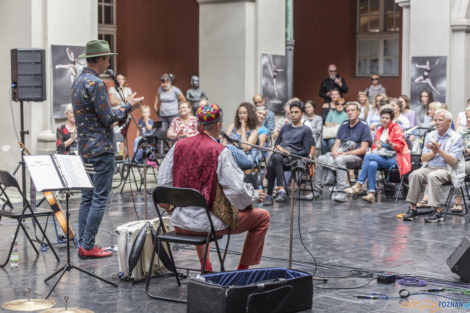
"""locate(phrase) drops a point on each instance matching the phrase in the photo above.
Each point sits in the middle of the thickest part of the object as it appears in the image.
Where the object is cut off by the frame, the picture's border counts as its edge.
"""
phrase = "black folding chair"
(181, 197)
(6, 181)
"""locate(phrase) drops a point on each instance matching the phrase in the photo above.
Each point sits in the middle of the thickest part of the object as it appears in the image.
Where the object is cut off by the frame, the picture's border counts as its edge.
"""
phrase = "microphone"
(230, 140)
(110, 73)
(409, 131)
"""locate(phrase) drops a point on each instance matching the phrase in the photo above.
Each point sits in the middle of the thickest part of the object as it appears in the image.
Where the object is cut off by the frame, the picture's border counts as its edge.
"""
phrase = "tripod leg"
(64, 269)
(93, 275)
(55, 273)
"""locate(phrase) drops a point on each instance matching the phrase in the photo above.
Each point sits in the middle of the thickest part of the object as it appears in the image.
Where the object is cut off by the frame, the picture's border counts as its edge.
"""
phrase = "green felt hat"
(97, 48)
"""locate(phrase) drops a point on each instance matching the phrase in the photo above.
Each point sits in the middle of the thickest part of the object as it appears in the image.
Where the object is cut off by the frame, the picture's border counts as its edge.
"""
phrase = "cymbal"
(67, 310)
(28, 305)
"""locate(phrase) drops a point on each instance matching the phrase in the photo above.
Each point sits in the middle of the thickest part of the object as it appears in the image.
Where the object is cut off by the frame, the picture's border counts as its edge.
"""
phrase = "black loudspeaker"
(28, 75)
(459, 260)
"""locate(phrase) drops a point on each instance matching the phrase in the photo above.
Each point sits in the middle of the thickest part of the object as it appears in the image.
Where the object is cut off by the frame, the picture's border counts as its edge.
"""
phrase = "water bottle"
(260, 187)
(14, 257)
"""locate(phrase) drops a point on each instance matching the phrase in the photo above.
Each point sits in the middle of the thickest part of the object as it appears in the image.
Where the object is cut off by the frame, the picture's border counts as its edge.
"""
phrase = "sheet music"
(73, 171)
(43, 172)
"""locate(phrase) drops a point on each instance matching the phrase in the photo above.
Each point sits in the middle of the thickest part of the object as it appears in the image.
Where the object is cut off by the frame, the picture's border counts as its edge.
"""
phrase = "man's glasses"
(374, 78)
(258, 102)
(332, 71)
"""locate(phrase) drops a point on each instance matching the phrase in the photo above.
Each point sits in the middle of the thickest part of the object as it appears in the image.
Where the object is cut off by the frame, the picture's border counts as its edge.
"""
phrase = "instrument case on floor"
(127, 233)
(263, 290)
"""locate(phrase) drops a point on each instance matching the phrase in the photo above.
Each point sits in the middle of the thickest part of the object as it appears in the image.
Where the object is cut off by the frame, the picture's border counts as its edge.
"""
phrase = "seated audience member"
(388, 151)
(262, 131)
(334, 119)
(373, 119)
(217, 177)
(145, 129)
(405, 109)
(269, 122)
(66, 141)
(464, 131)
(399, 118)
(244, 130)
(184, 125)
(116, 97)
(295, 139)
(350, 146)
(315, 123)
(282, 121)
(365, 105)
(328, 106)
(443, 161)
(461, 120)
(375, 87)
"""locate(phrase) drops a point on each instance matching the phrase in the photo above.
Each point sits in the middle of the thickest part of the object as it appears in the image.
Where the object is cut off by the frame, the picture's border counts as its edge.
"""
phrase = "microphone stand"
(120, 92)
(310, 161)
(294, 170)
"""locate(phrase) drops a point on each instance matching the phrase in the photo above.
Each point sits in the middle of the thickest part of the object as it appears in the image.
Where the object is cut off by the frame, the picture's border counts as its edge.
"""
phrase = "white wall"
(37, 24)
(232, 37)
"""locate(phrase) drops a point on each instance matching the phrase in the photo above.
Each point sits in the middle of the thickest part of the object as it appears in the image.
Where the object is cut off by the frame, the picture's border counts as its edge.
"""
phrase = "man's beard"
(332, 77)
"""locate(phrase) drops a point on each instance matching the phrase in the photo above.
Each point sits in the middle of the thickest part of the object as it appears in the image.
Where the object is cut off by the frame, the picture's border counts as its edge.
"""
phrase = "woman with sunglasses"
(334, 119)
(375, 87)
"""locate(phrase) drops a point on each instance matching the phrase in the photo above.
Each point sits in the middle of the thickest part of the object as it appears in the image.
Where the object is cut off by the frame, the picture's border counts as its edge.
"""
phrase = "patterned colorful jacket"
(93, 114)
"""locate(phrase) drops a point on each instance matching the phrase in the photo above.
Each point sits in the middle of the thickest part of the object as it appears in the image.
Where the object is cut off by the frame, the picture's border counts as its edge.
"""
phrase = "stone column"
(227, 52)
(405, 51)
(459, 63)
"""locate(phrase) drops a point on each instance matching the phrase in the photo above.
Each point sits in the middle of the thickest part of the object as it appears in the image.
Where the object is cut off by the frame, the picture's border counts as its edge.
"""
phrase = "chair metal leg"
(399, 189)
(12, 246)
(147, 282)
(28, 237)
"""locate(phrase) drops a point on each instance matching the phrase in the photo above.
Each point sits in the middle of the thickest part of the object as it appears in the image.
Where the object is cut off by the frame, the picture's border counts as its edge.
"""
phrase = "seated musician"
(67, 134)
(296, 139)
(350, 146)
(145, 129)
(220, 180)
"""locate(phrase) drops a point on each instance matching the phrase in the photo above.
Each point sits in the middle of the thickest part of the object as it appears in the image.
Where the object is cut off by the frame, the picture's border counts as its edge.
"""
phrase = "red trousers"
(256, 222)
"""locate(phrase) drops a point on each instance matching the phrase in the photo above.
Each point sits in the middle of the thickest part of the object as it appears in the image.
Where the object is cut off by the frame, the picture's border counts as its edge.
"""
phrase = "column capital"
(223, 1)
(460, 25)
(403, 3)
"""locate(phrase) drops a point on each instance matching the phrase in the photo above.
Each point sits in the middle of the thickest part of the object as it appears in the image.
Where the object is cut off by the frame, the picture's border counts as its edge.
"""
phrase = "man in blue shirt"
(94, 118)
(295, 139)
(443, 162)
(269, 122)
(350, 146)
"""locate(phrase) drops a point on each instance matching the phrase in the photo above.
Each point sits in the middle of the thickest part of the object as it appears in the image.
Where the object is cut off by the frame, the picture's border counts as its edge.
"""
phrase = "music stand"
(64, 173)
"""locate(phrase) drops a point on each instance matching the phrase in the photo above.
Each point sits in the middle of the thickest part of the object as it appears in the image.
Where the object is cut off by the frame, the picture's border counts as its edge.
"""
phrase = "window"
(107, 26)
(377, 39)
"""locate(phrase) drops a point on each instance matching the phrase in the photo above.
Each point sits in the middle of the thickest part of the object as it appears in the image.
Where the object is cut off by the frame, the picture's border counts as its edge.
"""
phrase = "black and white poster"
(274, 81)
(65, 67)
(428, 73)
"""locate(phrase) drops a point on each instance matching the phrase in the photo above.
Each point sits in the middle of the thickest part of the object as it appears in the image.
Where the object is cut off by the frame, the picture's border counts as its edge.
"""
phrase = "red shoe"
(94, 253)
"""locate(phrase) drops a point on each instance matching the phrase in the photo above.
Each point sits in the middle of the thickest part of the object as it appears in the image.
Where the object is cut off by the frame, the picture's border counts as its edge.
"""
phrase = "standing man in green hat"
(94, 118)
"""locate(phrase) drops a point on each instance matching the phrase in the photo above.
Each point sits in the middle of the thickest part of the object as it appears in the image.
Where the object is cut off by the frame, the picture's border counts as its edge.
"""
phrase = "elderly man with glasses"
(443, 162)
(269, 122)
(333, 81)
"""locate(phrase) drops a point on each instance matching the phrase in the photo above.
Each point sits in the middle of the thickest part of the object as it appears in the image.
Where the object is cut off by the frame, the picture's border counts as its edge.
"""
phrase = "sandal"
(422, 204)
(457, 208)
(354, 190)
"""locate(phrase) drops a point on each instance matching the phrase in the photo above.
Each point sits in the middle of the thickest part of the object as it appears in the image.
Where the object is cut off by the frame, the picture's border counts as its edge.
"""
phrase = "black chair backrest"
(161, 135)
(7, 180)
(179, 197)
